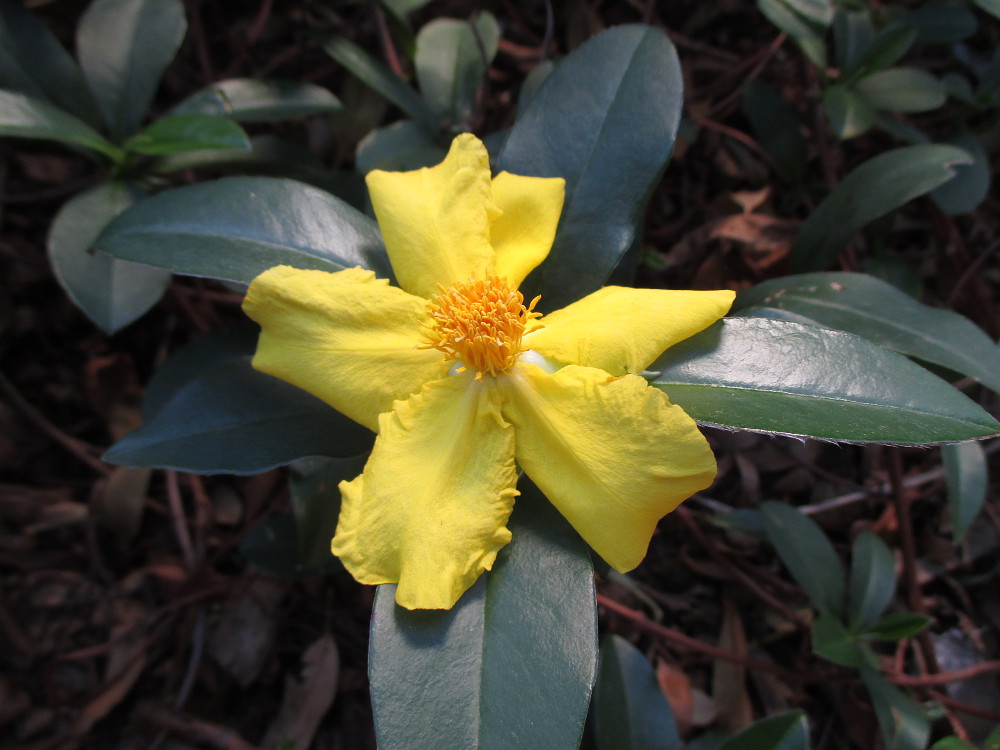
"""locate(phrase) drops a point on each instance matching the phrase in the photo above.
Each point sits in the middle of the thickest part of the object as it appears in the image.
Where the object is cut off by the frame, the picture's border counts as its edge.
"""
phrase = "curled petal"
(612, 454)
(522, 235)
(431, 507)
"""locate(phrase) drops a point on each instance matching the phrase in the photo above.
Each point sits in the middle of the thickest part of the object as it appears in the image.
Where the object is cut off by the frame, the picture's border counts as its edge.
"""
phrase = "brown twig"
(180, 521)
(965, 708)
(191, 728)
(943, 678)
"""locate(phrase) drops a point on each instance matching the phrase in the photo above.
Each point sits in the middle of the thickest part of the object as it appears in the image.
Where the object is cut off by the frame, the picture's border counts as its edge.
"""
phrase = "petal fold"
(348, 338)
(435, 221)
(522, 235)
(612, 454)
(622, 330)
(431, 507)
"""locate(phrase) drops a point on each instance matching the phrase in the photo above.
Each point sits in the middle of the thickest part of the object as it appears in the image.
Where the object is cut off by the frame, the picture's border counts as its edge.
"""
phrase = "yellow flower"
(460, 378)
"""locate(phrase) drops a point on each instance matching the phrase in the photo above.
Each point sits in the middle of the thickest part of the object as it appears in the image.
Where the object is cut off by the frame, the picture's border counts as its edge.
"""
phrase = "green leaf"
(971, 183)
(888, 46)
(864, 305)
(399, 147)
(819, 12)
(967, 475)
(238, 227)
(378, 77)
(852, 34)
(511, 665)
(451, 62)
(990, 6)
(313, 485)
(629, 710)
(873, 580)
(34, 63)
(952, 743)
(942, 23)
(849, 113)
(111, 292)
(788, 731)
(776, 128)
(871, 190)
(176, 133)
(904, 725)
(235, 420)
(805, 34)
(123, 47)
(24, 117)
(808, 556)
(902, 90)
(778, 376)
(897, 626)
(834, 642)
(260, 100)
(610, 145)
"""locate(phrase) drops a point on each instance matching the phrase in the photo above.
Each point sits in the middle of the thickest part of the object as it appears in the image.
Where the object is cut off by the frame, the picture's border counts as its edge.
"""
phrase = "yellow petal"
(436, 221)
(612, 454)
(522, 235)
(430, 509)
(622, 330)
(347, 338)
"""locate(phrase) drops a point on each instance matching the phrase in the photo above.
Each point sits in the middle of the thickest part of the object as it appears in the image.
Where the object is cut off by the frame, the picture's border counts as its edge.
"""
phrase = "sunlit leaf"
(176, 133)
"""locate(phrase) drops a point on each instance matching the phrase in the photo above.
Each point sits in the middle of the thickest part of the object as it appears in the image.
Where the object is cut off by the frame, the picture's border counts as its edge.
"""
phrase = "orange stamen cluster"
(480, 324)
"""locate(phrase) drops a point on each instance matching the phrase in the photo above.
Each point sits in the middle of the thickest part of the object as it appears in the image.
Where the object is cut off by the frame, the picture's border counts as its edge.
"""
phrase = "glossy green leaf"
(776, 127)
(808, 36)
(629, 710)
(903, 723)
(24, 117)
(615, 141)
(235, 420)
(834, 642)
(111, 292)
(849, 113)
(897, 626)
(902, 90)
(260, 100)
(968, 478)
(789, 731)
(236, 228)
(990, 6)
(123, 47)
(884, 49)
(864, 305)
(380, 78)
(176, 133)
(511, 665)
(779, 376)
(399, 147)
(314, 487)
(971, 183)
(942, 22)
(808, 555)
(34, 63)
(451, 62)
(871, 190)
(873, 580)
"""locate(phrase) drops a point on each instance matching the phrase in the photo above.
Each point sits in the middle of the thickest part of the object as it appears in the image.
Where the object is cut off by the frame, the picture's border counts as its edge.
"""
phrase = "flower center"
(480, 324)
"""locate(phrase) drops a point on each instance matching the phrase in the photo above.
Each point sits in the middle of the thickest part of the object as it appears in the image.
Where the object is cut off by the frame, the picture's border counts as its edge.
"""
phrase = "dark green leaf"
(313, 484)
(788, 731)
(852, 33)
(990, 6)
(177, 133)
(819, 12)
(807, 35)
(111, 292)
(952, 743)
(377, 76)
(897, 626)
(237, 228)
(235, 420)
(904, 725)
(34, 63)
(629, 709)
(872, 190)
(902, 90)
(451, 61)
(967, 474)
(124, 46)
(971, 183)
(399, 147)
(511, 665)
(24, 117)
(808, 556)
(776, 128)
(864, 305)
(888, 46)
(611, 147)
(260, 100)
(832, 641)
(873, 580)
(942, 23)
(778, 376)
(849, 113)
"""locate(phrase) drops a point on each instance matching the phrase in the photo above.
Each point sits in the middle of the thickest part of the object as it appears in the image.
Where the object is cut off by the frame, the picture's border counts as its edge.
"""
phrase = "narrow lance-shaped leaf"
(869, 307)
(904, 725)
(873, 580)
(193, 132)
(785, 377)
(971, 183)
(967, 474)
(260, 100)
(788, 731)
(611, 147)
(24, 117)
(511, 665)
(872, 190)
(238, 227)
